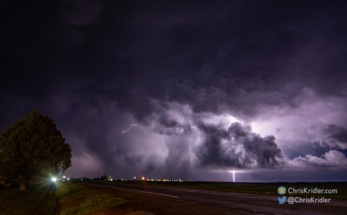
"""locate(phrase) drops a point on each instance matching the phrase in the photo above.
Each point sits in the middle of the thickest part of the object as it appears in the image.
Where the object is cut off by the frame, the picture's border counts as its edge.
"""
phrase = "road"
(172, 200)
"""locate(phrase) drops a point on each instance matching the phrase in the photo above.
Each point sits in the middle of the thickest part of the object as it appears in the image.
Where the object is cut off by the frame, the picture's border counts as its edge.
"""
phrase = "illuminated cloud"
(237, 147)
(331, 159)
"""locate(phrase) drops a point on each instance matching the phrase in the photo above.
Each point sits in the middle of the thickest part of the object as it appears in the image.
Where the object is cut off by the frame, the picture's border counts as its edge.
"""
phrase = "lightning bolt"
(233, 176)
(131, 125)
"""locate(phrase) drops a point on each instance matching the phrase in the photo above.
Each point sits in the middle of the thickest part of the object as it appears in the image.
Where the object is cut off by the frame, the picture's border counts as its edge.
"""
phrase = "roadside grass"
(87, 201)
(65, 199)
(253, 188)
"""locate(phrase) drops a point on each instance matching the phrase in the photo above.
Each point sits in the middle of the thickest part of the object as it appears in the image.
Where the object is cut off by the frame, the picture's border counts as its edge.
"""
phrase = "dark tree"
(105, 177)
(102, 177)
(30, 147)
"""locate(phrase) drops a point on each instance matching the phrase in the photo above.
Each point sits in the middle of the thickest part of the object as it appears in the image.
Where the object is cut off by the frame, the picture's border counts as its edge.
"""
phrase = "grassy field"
(66, 198)
(255, 188)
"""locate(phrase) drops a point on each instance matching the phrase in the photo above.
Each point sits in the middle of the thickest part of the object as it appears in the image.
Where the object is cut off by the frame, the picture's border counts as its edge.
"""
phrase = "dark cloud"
(330, 135)
(236, 62)
(336, 135)
(292, 150)
(237, 147)
(78, 12)
(98, 66)
(167, 122)
(133, 159)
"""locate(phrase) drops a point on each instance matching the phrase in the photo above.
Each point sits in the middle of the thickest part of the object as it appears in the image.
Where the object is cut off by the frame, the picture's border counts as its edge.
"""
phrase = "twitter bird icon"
(282, 200)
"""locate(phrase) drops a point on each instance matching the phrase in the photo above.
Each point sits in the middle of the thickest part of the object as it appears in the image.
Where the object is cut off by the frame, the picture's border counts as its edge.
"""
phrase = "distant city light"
(143, 178)
(64, 176)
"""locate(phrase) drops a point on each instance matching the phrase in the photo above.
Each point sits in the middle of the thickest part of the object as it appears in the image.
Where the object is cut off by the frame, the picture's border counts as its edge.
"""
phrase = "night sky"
(183, 89)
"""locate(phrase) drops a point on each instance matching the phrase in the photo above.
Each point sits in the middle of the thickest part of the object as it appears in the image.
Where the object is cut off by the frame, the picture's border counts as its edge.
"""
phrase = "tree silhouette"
(32, 146)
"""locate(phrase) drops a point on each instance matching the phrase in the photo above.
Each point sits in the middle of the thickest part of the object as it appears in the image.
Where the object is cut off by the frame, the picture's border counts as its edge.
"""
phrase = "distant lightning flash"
(131, 125)
(233, 176)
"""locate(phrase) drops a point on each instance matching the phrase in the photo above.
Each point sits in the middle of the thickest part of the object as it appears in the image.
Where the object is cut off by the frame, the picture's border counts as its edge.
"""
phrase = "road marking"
(194, 191)
(242, 196)
(140, 191)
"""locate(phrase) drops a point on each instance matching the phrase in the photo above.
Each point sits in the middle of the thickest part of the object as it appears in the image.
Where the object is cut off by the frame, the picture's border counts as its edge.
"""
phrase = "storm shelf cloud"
(188, 90)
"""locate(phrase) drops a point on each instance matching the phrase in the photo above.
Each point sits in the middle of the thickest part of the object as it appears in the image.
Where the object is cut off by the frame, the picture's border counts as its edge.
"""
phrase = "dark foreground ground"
(60, 199)
(178, 200)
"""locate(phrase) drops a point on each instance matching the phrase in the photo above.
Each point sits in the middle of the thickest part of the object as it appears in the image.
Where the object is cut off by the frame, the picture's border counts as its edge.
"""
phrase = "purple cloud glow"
(259, 88)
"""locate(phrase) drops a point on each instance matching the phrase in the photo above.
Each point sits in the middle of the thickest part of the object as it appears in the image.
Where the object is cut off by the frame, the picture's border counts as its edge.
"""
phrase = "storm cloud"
(337, 136)
(237, 147)
(185, 72)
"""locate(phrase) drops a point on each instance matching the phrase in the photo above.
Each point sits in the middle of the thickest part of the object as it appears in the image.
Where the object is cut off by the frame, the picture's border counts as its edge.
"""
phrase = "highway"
(172, 200)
